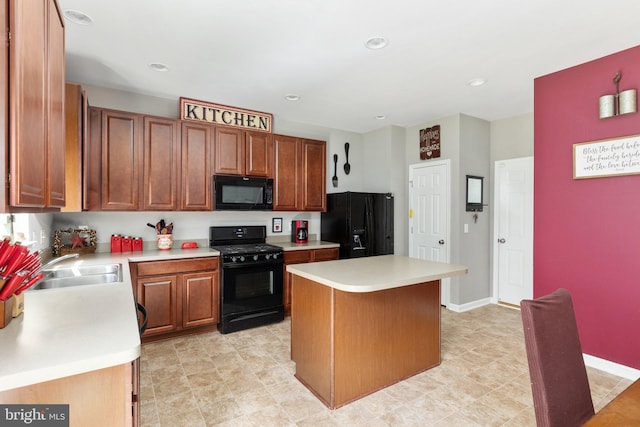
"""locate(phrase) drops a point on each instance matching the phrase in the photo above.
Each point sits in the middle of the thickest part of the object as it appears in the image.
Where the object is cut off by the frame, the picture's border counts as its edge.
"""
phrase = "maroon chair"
(561, 394)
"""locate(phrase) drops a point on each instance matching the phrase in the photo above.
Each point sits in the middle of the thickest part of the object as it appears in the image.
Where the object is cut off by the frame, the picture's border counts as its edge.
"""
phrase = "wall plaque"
(610, 157)
(200, 111)
(430, 143)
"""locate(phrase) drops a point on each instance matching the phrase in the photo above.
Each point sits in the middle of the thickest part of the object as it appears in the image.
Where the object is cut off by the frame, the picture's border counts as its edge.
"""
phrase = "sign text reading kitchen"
(199, 111)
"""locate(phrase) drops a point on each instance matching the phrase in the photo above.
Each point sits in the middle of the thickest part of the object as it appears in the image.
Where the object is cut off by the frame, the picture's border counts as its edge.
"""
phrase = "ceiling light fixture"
(381, 117)
(292, 97)
(158, 66)
(78, 17)
(476, 82)
(376, 43)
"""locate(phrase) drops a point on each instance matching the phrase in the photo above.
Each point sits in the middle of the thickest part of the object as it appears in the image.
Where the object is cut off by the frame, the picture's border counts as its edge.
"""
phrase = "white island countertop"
(375, 273)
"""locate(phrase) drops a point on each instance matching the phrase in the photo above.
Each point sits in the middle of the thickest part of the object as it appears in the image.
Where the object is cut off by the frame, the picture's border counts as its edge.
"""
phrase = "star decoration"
(78, 242)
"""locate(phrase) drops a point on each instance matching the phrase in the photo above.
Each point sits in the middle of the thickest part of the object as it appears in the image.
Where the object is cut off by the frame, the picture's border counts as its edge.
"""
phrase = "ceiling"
(252, 53)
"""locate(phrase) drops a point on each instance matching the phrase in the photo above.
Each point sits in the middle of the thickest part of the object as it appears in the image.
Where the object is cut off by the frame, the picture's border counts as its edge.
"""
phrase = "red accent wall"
(587, 232)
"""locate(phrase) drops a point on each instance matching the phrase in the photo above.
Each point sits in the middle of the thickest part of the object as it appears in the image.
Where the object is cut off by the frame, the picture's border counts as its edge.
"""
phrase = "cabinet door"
(259, 151)
(161, 162)
(313, 177)
(196, 167)
(74, 120)
(28, 103)
(91, 161)
(159, 295)
(201, 297)
(121, 160)
(55, 177)
(292, 257)
(285, 173)
(229, 151)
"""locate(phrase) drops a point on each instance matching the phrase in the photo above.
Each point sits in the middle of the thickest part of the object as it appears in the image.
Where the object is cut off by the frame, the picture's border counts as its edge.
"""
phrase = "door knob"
(502, 240)
(441, 242)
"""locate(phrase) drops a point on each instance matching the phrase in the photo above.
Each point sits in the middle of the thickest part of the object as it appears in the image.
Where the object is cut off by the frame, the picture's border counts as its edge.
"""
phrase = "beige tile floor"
(246, 379)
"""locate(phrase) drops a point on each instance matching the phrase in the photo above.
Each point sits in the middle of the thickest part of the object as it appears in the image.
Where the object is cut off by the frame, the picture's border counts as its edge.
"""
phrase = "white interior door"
(513, 230)
(429, 210)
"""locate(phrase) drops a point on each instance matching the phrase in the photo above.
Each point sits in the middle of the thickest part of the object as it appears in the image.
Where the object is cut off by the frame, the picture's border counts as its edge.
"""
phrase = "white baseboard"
(469, 306)
(611, 367)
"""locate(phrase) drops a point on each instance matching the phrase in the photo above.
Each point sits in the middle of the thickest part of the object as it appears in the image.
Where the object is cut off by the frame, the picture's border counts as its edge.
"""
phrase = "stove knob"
(255, 257)
(233, 259)
(267, 256)
(275, 256)
(241, 259)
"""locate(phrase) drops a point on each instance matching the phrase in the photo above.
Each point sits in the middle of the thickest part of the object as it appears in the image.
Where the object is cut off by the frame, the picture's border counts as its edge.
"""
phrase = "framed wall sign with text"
(610, 157)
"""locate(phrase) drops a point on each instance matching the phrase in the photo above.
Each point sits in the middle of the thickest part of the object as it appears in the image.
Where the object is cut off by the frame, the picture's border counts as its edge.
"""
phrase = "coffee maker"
(299, 231)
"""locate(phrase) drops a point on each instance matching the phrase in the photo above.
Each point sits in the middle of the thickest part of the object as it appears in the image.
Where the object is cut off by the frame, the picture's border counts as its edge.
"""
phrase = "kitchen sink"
(62, 277)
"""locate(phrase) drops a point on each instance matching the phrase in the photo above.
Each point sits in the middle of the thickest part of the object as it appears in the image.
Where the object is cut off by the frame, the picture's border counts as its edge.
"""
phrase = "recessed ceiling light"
(376, 43)
(78, 17)
(381, 117)
(157, 66)
(292, 97)
(476, 82)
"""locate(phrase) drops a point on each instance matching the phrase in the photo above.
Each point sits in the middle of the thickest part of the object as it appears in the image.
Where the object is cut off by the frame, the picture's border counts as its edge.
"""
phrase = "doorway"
(513, 231)
(429, 215)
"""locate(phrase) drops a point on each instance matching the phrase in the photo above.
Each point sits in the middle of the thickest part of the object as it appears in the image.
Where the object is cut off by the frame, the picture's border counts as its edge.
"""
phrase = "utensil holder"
(6, 311)
(165, 241)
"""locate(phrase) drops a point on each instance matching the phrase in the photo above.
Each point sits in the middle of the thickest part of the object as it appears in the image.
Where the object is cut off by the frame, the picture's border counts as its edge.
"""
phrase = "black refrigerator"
(361, 222)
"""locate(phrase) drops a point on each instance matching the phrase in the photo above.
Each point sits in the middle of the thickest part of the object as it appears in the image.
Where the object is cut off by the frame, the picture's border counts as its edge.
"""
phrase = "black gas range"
(252, 277)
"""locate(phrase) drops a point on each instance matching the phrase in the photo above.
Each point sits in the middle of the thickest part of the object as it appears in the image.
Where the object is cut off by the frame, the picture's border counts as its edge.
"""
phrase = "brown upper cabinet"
(197, 148)
(299, 174)
(161, 164)
(239, 152)
(35, 114)
(75, 114)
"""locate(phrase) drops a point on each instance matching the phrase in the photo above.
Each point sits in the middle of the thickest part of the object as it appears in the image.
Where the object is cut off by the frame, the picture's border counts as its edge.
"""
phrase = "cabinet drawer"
(325, 254)
(177, 266)
(296, 257)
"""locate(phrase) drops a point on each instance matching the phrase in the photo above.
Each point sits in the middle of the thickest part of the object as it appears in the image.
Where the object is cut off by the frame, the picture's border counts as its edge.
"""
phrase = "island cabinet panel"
(311, 346)
(349, 344)
(161, 164)
(197, 148)
(104, 397)
(404, 324)
(181, 296)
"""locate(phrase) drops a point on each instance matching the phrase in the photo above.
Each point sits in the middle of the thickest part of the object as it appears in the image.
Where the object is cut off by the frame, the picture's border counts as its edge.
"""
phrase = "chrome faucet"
(57, 260)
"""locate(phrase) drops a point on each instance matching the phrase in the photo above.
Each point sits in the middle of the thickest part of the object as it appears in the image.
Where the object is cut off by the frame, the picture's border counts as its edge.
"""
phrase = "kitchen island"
(359, 325)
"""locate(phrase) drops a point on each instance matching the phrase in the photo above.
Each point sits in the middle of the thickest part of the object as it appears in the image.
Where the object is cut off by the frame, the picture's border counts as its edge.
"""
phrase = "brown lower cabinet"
(181, 296)
(301, 257)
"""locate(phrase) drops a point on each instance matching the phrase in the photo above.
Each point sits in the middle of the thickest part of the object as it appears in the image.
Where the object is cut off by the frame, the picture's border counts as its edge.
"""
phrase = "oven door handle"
(242, 265)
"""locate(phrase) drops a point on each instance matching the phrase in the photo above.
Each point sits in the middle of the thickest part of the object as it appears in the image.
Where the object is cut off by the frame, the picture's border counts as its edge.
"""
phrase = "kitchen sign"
(609, 157)
(200, 111)
(430, 143)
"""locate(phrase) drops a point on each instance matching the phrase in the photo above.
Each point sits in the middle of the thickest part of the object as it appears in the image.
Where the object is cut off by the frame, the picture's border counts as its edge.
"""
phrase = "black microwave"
(242, 193)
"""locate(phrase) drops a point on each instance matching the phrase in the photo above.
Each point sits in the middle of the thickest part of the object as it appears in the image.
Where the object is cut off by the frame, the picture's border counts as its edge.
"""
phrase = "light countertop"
(312, 244)
(67, 331)
(375, 273)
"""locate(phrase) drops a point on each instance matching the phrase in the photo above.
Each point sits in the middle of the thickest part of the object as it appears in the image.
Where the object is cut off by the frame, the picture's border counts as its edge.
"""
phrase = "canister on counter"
(137, 244)
(116, 243)
(127, 244)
